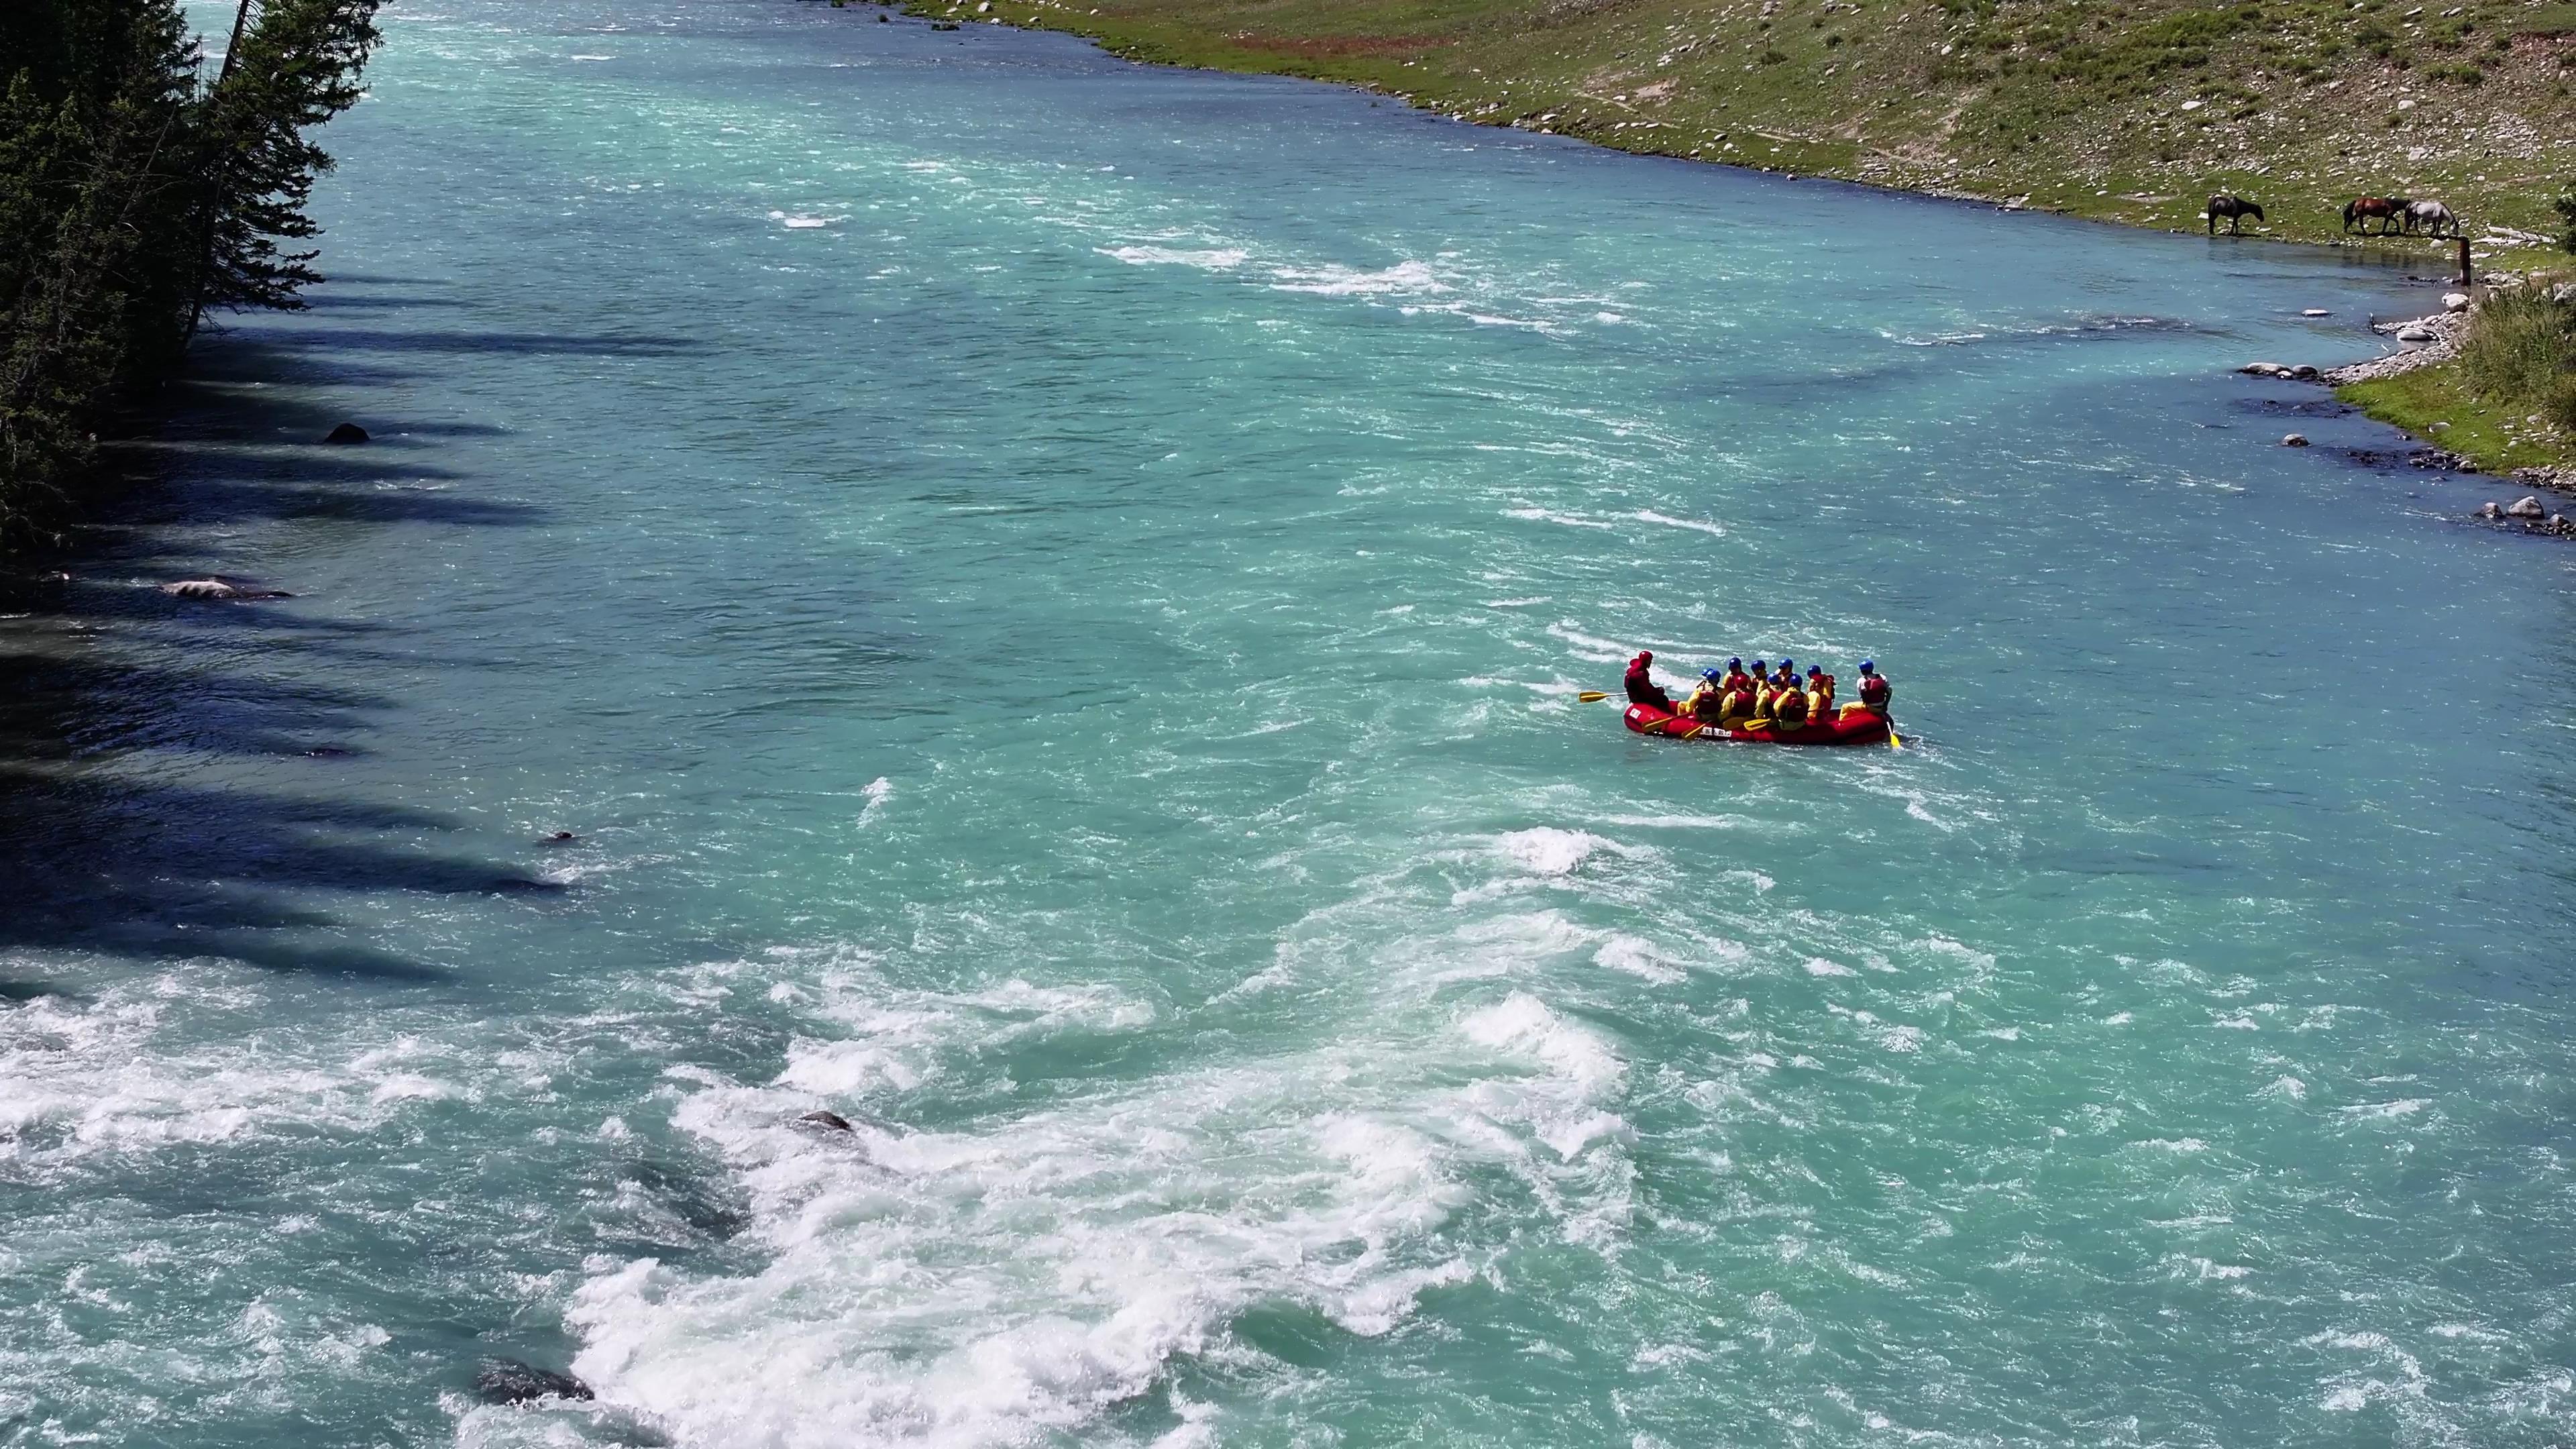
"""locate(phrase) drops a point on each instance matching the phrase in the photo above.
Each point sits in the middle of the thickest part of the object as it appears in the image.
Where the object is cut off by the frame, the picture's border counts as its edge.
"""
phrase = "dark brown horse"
(2235, 209)
(2388, 211)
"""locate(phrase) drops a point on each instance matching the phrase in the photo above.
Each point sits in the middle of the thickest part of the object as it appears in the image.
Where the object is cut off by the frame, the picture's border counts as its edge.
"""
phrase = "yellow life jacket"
(1791, 707)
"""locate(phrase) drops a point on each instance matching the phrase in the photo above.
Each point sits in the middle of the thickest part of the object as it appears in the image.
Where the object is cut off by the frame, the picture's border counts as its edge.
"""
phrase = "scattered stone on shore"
(2434, 339)
(508, 1381)
(219, 587)
(828, 1121)
(2555, 525)
(2455, 301)
(2302, 372)
(2295, 440)
(2527, 506)
(2442, 458)
(347, 433)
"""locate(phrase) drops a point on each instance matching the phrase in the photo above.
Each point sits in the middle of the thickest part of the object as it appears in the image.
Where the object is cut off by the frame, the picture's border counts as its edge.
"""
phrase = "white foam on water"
(991, 1286)
(1546, 850)
(2386, 1111)
(1566, 1108)
(84, 1079)
(1638, 957)
(1337, 281)
(1591, 646)
(1011, 1278)
(1545, 515)
(1648, 515)
(1213, 259)
(877, 792)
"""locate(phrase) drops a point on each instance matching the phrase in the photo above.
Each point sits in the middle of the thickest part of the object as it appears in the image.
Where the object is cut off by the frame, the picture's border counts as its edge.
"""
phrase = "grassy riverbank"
(2506, 399)
(2129, 111)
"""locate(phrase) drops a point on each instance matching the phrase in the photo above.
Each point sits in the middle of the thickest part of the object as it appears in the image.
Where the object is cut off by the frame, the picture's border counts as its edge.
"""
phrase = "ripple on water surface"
(1051, 596)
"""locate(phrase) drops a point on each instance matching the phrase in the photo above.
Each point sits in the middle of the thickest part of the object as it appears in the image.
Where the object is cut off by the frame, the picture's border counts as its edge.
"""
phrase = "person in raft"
(1875, 691)
(1642, 688)
(1707, 703)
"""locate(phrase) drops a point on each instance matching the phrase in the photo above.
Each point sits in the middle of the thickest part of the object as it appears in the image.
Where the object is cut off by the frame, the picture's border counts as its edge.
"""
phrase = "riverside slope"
(1052, 592)
(2128, 112)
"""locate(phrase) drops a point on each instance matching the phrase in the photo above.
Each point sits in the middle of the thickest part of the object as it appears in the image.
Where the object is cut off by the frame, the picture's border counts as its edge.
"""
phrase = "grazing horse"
(2235, 209)
(2432, 216)
(2386, 210)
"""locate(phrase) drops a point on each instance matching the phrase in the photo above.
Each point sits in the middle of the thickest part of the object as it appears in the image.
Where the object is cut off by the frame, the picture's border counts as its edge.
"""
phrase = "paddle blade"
(1593, 696)
(1895, 741)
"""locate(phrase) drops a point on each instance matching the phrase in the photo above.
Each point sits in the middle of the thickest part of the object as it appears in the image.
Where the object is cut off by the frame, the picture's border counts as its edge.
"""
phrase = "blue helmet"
(1788, 663)
(1712, 675)
(1867, 665)
(1735, 664)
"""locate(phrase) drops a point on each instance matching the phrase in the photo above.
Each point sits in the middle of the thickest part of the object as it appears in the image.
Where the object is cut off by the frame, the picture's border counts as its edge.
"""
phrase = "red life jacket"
(1874, 691)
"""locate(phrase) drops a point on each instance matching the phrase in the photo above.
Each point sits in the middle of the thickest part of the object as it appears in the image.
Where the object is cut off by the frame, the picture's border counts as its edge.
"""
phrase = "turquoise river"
(1052, 594)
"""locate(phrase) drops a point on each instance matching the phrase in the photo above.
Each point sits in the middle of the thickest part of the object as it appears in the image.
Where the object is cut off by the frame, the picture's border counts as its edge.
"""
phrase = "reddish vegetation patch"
(1329, 47)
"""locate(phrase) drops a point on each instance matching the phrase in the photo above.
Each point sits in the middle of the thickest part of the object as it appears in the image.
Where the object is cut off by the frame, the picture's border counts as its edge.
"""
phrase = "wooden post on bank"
(2465, 278)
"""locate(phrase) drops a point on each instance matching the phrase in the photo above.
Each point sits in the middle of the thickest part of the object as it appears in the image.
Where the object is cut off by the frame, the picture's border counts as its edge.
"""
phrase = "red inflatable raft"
(1854, 726)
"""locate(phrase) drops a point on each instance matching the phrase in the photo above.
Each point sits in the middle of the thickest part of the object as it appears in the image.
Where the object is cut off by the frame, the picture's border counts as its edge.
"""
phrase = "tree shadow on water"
(168, 786)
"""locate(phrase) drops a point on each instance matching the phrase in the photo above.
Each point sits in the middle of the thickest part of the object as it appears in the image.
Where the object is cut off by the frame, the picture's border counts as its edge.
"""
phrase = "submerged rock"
(508, 1381)
(2295, 440)
(828, 1121)
(219, 587)
(347, 433)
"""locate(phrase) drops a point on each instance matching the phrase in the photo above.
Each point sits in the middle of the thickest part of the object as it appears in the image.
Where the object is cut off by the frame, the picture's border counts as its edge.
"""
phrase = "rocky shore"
(2429, 341)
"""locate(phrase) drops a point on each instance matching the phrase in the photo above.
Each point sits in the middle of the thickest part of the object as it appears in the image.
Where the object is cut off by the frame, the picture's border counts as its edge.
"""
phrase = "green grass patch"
(2121, 110)
(2436, 404)
(2548, 20)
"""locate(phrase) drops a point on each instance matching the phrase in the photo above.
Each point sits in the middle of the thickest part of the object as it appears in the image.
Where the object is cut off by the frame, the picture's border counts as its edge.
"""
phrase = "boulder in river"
(2527, 506)
(828, 1121)
(2490, 509)
(347, 433)
(508, 1381)
(2316, 312)
(2295, 440)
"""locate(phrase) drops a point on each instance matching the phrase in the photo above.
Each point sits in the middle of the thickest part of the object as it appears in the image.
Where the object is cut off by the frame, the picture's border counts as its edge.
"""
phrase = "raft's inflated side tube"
(1853, 726)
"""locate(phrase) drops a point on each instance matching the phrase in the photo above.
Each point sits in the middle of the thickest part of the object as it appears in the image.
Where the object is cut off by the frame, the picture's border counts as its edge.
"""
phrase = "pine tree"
(133, 196)
(295, 64)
